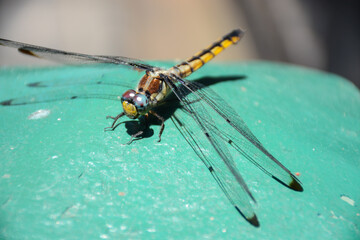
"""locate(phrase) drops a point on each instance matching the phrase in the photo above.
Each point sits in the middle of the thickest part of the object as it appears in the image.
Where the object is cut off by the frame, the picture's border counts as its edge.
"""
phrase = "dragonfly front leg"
(162, 123)
(115, 120)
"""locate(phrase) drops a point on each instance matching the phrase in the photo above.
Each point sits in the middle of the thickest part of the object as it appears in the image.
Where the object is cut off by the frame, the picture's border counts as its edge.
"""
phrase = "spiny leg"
(115, 120)
(162, 123)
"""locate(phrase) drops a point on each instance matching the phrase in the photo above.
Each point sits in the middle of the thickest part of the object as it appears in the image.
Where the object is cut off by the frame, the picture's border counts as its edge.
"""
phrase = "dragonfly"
(208, 123)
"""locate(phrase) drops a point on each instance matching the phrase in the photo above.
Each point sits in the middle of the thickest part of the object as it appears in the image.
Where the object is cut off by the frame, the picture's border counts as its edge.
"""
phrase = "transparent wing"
(234, 131)
(220, 124)
(193, 121)
(73, 58)
(92, 76)
(224, 172)
(83, 92)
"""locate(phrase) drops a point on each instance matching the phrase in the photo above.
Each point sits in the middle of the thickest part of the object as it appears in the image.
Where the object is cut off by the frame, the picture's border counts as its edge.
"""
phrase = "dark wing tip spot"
(27, 52)
(252, 220)
(73, 97)
(295, 185)
(7, 102)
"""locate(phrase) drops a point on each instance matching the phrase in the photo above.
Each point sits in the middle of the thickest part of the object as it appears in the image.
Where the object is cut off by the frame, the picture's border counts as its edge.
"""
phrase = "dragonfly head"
(134, 104)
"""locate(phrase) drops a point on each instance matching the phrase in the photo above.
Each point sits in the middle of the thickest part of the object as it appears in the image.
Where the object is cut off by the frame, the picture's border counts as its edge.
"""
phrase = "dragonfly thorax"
(153, 85)
(134, 104)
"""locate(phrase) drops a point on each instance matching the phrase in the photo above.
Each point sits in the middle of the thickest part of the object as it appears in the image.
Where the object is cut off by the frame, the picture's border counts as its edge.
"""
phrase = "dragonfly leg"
(134, 136)
(115, 120)
(162, 123)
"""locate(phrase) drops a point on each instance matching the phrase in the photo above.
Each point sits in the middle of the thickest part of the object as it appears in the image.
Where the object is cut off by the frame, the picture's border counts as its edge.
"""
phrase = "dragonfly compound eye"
(128, 95)
(130, 110)
(140, 101)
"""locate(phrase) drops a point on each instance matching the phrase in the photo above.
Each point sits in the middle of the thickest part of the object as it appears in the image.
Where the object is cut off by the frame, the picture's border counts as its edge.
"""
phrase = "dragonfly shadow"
(209, 80)
(134, 127)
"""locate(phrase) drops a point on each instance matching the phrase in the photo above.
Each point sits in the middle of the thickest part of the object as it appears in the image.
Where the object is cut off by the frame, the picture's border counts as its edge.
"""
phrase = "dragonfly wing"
(64, 94)
(206, 141)
(74, 58)
(92, 76)
(238, 135)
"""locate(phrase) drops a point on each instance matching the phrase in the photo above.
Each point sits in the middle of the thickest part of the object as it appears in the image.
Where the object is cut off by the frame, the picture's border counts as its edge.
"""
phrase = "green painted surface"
(63, 177)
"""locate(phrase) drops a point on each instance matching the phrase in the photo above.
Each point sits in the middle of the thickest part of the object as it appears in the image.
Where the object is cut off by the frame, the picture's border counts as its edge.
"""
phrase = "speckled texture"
(63, 177)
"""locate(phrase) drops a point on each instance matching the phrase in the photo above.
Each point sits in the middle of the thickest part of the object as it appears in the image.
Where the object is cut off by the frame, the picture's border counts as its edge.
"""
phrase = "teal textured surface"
(62, 176)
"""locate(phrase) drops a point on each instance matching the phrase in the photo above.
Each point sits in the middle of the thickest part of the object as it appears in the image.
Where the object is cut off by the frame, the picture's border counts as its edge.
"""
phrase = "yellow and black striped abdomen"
(204, 56)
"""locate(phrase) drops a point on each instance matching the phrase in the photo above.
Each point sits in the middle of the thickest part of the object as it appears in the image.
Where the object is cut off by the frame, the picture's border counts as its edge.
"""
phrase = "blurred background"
(322, 34)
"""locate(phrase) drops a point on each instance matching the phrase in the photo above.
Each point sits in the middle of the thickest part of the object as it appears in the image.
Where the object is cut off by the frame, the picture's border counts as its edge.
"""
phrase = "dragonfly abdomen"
(198, 60)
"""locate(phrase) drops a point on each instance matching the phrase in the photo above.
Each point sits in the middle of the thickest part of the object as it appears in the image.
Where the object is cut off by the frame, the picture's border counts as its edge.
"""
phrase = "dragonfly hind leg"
(115, 120)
